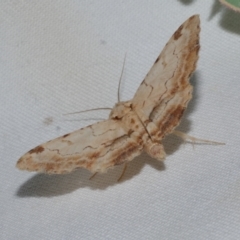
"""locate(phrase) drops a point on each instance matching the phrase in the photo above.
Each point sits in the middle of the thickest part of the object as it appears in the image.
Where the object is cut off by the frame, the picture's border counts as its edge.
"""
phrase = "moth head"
(120, 109)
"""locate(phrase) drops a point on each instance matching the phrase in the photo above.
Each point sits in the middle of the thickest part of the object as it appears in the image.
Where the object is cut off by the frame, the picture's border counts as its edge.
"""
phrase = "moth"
(133, 126)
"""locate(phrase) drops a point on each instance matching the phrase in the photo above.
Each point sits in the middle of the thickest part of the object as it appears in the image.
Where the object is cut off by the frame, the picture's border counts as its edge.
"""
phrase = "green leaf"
(232, 4)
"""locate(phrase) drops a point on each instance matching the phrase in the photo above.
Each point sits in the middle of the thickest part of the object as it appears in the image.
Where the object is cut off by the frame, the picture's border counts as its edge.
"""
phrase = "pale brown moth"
(133, 126)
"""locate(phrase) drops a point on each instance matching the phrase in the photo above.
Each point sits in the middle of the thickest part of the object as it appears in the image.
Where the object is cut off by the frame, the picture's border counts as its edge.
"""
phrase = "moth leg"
(123, 171)
(93, 175)
(187, 137)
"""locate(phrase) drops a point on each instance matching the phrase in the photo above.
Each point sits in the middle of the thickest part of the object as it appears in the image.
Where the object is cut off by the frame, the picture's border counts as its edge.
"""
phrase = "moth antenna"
(194, 140)
(88, 110)
(120, 80)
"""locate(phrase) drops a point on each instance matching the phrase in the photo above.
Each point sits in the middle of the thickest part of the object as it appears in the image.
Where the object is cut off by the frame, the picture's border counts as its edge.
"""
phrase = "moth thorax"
(120, 109)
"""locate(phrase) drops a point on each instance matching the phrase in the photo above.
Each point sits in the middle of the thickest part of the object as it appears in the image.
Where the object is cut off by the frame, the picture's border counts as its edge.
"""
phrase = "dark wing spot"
(37, 149)
(143, 82)
(157, 60)
(159, 134)
(64, 136)
(178, 33)
(50, 167)
(164, 64)
(124, 155)
(94, 155)
(130, 132)
(172, 119)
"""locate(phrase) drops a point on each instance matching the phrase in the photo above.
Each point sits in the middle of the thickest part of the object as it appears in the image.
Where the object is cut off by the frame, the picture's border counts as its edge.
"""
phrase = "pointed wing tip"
(22, 162)
(19, 163)
(194, 20)
(195, 17)
(28, 163)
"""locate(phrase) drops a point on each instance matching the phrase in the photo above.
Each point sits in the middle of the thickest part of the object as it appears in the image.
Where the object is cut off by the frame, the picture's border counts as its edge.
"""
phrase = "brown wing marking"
(167, 86)
(96, 148)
